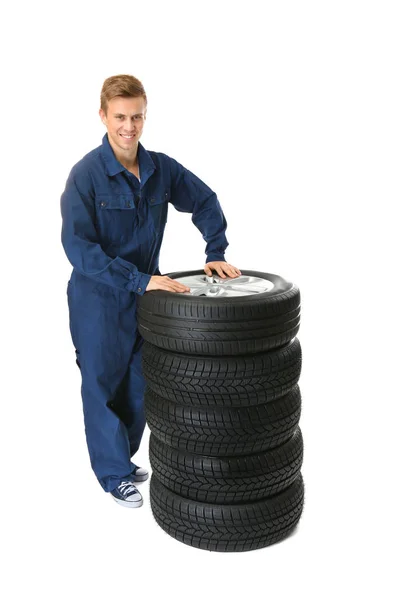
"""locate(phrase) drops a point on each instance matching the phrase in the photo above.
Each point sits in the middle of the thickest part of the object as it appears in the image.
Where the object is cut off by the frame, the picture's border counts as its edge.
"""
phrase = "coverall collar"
(113, 166)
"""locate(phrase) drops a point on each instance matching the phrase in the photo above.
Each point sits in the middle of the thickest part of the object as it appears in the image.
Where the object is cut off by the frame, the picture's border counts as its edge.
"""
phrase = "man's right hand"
(162, 282)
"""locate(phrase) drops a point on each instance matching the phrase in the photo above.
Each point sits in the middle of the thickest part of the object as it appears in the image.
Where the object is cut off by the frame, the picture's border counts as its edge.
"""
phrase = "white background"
(295, 114)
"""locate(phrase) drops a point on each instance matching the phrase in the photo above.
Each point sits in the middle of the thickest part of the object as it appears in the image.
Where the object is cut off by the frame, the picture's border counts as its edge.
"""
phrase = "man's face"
(125, 117)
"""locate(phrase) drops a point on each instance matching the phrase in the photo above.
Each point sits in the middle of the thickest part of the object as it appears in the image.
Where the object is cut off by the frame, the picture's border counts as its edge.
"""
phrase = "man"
(114, 210)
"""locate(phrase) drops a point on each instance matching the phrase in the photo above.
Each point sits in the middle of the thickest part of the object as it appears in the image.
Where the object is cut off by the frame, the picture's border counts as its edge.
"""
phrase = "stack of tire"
(222, 402)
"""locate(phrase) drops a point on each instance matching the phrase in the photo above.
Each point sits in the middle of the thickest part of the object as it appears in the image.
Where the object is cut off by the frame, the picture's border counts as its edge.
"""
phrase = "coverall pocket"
(116, 215)
(158, 210)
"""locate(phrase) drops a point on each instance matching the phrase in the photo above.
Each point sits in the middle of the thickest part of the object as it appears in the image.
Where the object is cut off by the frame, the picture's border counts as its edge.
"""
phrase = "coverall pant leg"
(129, 401)
(108, 348)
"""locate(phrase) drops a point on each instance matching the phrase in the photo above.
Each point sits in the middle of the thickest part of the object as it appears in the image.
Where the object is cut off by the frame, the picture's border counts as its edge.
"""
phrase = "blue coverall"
(112, 231)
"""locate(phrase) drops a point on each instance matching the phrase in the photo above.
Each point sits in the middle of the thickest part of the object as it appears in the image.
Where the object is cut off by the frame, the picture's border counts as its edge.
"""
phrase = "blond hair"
(125, 86)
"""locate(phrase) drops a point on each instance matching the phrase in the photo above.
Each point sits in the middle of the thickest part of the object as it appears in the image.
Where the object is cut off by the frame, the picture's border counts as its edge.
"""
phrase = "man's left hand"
(223, 269)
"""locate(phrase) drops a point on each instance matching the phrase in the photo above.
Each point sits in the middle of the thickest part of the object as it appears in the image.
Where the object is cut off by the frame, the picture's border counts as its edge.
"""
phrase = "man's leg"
(103, 328)
(129, 402)
(106, 434)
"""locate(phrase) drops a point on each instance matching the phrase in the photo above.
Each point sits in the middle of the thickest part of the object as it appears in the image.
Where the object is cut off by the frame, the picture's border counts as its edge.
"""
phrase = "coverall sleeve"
(190, 194)
(81, 243)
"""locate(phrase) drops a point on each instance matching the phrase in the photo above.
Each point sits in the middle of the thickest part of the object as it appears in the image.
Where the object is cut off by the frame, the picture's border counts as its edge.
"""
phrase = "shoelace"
(126, 487)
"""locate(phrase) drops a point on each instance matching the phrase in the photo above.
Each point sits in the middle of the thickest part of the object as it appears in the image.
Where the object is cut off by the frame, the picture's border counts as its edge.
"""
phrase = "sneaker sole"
(128, 503)
(141, 477)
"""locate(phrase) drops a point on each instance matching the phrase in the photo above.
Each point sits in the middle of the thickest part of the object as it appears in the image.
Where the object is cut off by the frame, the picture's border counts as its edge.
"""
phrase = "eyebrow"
(121, 115)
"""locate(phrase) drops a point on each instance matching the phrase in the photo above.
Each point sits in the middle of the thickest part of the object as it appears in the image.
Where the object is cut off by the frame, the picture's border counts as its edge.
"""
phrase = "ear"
(102, 116)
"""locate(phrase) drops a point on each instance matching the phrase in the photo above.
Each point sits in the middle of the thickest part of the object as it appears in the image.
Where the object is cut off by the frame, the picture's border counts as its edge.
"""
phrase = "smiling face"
(124, 122)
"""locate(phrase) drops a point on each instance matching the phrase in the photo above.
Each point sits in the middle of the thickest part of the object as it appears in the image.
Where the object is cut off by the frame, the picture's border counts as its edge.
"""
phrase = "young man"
(114, 210)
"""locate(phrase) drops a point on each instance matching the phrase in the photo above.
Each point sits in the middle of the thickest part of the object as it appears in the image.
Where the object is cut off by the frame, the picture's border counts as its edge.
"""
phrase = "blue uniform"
(112, 231)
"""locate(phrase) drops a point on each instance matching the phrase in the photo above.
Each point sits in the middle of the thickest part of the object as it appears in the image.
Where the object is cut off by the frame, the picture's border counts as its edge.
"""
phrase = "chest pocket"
(158, 210)
(117, 216)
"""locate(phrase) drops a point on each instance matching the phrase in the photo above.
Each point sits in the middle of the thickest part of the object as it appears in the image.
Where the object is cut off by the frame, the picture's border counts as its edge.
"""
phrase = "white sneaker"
(140, 474)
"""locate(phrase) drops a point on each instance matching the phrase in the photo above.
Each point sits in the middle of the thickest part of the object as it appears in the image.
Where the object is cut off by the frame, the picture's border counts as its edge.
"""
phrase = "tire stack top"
(223, 404)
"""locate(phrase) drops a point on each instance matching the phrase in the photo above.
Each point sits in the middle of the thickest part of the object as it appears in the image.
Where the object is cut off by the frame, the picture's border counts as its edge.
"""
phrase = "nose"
(128, 125)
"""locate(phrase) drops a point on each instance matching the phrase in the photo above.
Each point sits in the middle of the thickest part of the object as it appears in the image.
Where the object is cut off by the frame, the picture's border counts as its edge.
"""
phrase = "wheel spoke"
(215, 286)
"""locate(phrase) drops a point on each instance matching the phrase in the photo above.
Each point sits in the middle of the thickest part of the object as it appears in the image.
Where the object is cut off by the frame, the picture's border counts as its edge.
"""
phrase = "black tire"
(223, 431)
(227, 480)
(223, 527)
(222, 380)
(224, 325)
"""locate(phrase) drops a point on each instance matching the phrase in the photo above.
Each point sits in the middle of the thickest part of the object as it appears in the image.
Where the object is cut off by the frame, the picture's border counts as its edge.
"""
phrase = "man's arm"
(81, 243)
(190, 194)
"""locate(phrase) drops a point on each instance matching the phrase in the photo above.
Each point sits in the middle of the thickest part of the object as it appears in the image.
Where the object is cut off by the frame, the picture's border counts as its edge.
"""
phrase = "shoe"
(140, 474)
(127, 494)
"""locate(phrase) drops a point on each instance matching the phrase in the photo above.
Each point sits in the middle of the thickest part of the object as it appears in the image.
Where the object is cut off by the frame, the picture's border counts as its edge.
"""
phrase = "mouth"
(127, 137)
